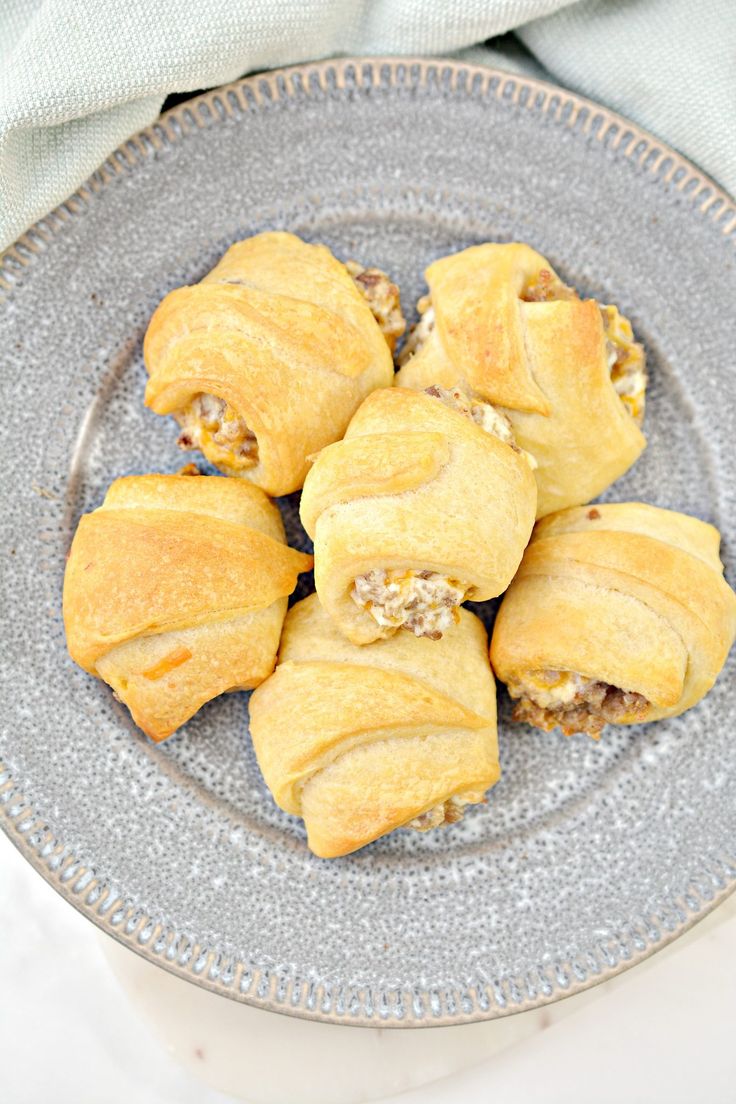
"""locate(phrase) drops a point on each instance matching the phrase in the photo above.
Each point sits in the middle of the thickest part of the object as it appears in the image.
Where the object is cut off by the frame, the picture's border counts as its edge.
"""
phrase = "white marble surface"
(72, 1033)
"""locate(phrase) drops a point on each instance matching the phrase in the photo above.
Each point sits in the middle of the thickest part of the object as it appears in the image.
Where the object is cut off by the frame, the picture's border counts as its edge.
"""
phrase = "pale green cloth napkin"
(77, 78)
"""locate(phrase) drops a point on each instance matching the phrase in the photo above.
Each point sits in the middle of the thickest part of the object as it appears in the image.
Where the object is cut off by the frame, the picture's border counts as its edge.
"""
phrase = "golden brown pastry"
(359, 741)
(426, 502)
(267, 358)
(619, 614)
(176, 590)
(566, 372)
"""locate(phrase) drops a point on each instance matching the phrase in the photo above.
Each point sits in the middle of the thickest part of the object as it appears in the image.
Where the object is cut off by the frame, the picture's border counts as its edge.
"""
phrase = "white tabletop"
(663, 1032)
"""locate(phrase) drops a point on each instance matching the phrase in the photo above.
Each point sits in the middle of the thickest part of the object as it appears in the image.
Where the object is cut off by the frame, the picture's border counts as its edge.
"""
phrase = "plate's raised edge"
(92, 893)
(489, 998)
(659, 161)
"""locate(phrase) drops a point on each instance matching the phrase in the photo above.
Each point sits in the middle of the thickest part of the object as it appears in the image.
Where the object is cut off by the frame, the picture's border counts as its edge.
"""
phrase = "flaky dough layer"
(544, 364)
(415, 485)
(360, 741)
(175, 591)
(280, 333)
(626, 594)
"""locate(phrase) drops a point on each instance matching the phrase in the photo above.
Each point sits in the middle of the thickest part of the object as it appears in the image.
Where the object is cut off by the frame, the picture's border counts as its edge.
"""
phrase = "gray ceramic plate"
(588, 856)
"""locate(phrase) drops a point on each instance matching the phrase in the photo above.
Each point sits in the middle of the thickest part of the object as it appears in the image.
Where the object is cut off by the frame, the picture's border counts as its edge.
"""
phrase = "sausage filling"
(208, 423)
(546, 288)
(382, 296)
(567, 700)
(420, 331)
(447, 812)
(483, 414)
(424, 602)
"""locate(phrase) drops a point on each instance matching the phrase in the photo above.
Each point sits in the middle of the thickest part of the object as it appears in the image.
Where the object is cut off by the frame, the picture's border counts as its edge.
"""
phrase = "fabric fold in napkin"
(77, 79)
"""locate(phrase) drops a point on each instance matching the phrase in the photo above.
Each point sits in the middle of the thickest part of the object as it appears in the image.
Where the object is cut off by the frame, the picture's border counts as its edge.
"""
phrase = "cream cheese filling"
(446, 812)
(574, 702)
(382, 296)
(424, 602)
(626, 361)
(485, 415)
(208, 423)
(419, 332)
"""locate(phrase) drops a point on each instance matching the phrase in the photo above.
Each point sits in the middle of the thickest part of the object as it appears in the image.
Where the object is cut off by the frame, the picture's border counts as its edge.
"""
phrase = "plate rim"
(179, 121)
(50, 856)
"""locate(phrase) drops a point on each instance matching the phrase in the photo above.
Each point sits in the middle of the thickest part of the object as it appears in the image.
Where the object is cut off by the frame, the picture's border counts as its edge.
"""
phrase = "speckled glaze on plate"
(588, 856)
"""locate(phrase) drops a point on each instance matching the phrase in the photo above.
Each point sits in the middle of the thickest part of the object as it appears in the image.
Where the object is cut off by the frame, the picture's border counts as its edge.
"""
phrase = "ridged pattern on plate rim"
(565, 108)
(94, 895)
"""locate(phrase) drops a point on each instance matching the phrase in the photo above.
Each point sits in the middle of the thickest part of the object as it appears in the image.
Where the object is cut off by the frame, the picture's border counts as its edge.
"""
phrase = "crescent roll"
(175, 591)
(360, 741)
(426, 502)
(566, 372)
(619, 614)
(267, 358)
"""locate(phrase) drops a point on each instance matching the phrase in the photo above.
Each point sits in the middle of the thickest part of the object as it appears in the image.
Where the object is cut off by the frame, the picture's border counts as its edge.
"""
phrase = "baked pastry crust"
(175, 591)
(360, 741)
(414, 486)
(279, 334)
(545, 364)
(629, 595)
